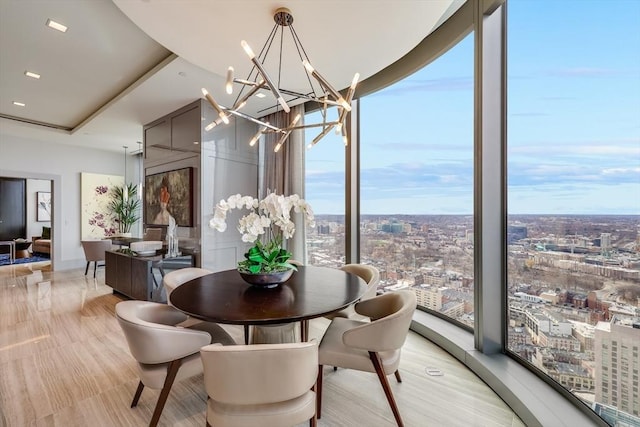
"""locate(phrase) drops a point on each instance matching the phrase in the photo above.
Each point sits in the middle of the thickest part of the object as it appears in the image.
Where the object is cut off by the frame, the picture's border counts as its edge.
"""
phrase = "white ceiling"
(125, 63)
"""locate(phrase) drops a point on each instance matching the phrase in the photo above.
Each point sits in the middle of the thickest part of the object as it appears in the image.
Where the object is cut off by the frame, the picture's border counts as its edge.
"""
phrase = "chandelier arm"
(309, 126)
(320, 136)
(254, 120)
(280, 56)
(327, 86)
(287, 133)
(215, 106)
(264, 50)
(266, 47)
(273, 88)
(250, 93)
(302, 54)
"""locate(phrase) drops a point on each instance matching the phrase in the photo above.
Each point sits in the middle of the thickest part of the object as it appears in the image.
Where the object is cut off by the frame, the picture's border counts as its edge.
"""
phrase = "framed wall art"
(169, 194)
(96, 218)
(44, 206)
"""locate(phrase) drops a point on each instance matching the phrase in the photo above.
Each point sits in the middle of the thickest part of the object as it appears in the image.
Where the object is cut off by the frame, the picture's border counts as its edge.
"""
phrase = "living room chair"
(368, 273)
(165, 353)
(175, 278)
(261, 385)
(370, 346)
(94, 251)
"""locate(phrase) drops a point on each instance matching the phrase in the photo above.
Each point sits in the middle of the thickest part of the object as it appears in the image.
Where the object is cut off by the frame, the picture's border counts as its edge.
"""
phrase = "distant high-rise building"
(617, 363)
(605, 243)
(323, 229)
(515, 233)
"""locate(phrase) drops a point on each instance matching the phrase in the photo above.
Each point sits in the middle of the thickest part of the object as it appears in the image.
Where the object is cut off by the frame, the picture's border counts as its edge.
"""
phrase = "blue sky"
(573, 122)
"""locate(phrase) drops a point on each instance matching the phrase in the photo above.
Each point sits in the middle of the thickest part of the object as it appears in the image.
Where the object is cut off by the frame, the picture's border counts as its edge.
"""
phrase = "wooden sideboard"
(140, 277)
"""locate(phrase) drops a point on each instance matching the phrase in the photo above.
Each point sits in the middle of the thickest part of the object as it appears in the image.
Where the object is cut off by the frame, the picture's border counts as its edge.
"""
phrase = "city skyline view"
(573, 122)
(572, 267)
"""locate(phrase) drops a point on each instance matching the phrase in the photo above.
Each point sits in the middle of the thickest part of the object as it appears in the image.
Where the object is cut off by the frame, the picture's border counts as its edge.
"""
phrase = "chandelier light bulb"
(354, 82)
(215, 106)
(308, 66)
(229, 85)
(257, 136)
(247, 49)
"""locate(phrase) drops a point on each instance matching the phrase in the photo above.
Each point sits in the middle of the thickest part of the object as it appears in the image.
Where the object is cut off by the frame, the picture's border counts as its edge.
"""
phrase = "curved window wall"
(416, 184)
(325, 191)
(573, 229)
(573, 220)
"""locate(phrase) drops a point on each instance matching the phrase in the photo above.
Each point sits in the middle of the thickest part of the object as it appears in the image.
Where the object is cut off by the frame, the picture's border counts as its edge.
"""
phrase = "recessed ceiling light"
(19, 104)
(260, 95)
(32, 74)
(56, 25)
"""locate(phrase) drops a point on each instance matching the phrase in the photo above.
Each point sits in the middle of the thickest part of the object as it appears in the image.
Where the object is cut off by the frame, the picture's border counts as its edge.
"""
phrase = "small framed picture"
(44, 206)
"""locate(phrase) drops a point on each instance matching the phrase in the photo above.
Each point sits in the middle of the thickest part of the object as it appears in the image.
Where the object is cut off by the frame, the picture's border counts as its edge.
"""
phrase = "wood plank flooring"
(64, 362)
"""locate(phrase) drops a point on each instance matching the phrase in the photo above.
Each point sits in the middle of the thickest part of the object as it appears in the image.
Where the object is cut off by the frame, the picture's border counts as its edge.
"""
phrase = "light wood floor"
(64, 362)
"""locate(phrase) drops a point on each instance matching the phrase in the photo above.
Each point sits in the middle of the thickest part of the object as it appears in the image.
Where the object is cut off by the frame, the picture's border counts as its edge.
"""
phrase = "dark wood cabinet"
(131, 276)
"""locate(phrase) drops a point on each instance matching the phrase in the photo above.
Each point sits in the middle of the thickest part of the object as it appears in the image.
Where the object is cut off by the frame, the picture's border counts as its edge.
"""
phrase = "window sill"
(535, 402)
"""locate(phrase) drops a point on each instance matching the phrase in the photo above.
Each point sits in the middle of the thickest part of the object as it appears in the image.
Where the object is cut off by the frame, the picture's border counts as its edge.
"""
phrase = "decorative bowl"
(266, 280)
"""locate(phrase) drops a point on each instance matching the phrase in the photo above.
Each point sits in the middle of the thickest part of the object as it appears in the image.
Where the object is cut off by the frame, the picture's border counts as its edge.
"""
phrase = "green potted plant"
(124, 205)
(267, 225)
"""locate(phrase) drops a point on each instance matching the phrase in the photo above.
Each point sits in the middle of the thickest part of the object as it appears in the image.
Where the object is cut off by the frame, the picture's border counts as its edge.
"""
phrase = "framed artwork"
(95, 194)
(169, 194)
(44, 206)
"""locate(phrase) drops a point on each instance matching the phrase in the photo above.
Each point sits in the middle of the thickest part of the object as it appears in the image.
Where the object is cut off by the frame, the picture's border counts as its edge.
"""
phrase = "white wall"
(62, 164)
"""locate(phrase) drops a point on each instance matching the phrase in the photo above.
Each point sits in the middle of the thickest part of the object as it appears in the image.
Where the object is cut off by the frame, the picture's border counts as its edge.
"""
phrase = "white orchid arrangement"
(266, 225)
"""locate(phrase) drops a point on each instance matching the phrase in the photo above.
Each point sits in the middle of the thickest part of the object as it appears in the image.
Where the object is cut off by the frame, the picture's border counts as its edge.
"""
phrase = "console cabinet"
(130, 276)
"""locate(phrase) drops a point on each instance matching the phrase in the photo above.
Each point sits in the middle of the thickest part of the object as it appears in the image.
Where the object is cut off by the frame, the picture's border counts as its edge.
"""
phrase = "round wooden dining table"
(311, 292)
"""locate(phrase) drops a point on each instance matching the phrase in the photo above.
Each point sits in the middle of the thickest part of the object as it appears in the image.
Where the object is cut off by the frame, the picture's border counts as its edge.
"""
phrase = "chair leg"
(136, 396)
(246, 334)
(397, 374)
(172, 370)
(95, 267)
(377, 364)
(313, 422)
(319, 392)
(86, 270)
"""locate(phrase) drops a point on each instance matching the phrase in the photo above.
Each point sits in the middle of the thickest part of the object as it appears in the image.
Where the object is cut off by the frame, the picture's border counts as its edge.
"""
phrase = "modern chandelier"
(322, 92)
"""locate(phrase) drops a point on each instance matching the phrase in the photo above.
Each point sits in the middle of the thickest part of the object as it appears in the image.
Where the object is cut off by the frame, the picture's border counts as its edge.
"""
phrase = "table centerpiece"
(268, 224)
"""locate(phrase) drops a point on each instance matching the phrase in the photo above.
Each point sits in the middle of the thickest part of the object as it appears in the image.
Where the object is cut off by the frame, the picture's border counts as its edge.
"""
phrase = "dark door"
(13, 208)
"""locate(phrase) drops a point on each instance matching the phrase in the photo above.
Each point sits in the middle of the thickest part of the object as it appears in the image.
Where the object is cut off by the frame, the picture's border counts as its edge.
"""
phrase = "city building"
(616, 362)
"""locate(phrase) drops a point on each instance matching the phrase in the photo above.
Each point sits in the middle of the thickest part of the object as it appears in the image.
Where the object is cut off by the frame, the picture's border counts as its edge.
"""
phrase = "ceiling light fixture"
(32, 74)
(259, 79)
(56, 25)
(19, 104)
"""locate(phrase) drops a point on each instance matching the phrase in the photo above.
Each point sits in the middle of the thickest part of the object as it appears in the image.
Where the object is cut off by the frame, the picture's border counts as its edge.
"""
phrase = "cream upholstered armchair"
(175, 278)
(368, 273)
(261, 385)
(165, 353)
(370, 346)
(94, 251)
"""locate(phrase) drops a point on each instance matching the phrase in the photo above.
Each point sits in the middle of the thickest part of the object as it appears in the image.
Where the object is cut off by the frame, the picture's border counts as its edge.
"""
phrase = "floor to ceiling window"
(573, 186)
(416, 184)
(325, 191)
